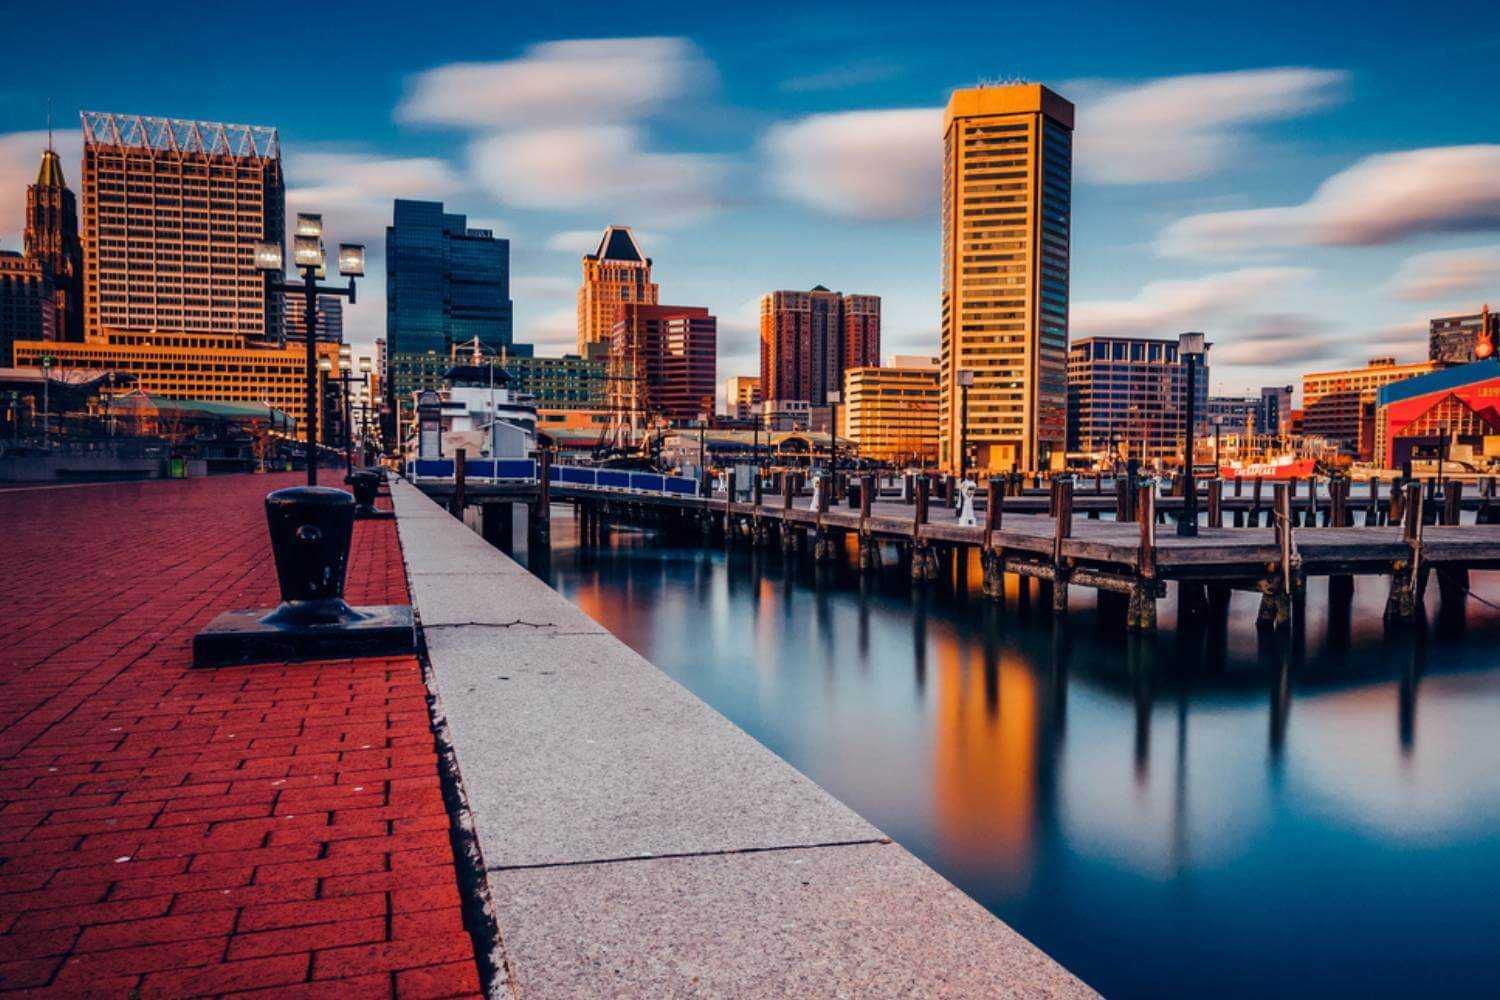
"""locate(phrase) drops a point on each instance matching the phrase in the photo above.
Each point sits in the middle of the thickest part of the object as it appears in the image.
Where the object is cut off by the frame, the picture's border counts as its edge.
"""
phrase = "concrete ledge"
(640, 844)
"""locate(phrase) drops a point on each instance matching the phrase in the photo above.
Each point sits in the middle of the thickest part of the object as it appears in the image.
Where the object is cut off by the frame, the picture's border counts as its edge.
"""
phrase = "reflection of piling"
(497, 525)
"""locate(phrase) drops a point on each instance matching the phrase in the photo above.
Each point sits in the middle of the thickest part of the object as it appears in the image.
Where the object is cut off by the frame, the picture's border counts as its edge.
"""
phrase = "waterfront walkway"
(271, 831)
(285, 830)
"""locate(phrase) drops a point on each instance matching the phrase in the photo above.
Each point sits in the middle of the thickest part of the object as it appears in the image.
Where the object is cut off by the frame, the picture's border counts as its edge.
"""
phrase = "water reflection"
(1192, 811)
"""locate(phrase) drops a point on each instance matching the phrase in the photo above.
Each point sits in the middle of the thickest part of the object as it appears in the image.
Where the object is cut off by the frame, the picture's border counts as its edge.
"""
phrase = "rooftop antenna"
(49, 124)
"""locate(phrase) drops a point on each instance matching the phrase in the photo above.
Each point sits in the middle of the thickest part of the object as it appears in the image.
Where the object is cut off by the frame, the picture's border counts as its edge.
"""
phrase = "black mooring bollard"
(311, 527)
(366, 483)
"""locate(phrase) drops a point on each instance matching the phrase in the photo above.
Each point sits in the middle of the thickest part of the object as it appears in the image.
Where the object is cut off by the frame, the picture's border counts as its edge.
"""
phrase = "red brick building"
(663, 363)
(809, 339)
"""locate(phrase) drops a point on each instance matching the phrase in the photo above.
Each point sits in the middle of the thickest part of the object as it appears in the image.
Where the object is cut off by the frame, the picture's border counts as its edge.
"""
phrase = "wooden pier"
(1275, 538)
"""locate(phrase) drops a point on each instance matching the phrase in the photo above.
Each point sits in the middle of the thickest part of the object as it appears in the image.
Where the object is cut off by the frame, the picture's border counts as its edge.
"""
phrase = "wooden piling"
(1276, 588)
(924, 564)
(1141, 616)
(1405, 600)
(1063, 530)
(539, 520)
(1216, 503)
(1453, 492)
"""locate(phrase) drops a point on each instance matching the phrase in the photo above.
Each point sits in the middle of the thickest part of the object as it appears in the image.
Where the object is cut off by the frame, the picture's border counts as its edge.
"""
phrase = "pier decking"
(1257, 536)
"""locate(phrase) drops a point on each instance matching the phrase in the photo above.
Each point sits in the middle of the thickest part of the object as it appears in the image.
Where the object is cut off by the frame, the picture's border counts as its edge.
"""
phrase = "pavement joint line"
(668, 856)
(518, 621)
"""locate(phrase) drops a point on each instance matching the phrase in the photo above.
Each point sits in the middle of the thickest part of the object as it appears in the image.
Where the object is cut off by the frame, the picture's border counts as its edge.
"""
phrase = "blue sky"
(1305, 183)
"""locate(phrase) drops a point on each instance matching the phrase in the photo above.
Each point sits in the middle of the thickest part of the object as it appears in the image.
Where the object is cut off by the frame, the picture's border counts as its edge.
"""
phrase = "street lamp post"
(1189, 350)
(965, 379)
(47, 361)
(308, 256)
(703, 453)
(833, 440)
(345, 379)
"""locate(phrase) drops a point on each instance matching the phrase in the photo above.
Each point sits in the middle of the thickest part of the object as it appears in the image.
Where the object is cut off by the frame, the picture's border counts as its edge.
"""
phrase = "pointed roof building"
(616, 273)
(51, 237)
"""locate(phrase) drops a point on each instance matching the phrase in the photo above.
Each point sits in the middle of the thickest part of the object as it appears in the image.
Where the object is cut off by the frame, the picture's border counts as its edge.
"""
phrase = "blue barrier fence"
(524, 470)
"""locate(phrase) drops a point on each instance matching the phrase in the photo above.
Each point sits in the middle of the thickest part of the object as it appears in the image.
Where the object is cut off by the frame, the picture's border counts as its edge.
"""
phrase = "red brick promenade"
(271, 831)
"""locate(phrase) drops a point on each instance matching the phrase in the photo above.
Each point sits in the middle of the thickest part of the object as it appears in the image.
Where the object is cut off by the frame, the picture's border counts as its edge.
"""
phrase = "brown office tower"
(52, 238)
(809, 339)
(617, 272)
(662, 363)
(172, 211)
(1007, 179)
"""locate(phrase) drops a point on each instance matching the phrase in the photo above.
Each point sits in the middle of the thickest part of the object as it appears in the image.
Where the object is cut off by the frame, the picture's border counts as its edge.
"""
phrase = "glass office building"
(446, 284)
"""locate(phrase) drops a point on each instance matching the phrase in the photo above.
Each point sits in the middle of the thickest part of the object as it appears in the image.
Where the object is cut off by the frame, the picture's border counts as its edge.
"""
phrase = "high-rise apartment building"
(1127, 396)
(51, 237)
(662, 362)
(742, 397)
(809, 339)
(891, 412)
(1458, 340)
(172, 211)
(615, 273)
(330, 310)
(446, 284)
(1339, 406)
(1006, 209)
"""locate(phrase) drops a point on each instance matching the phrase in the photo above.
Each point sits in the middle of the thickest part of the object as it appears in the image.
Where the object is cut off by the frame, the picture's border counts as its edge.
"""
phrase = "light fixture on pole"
(308, 257)
(965, 378)
(1190, 348)
(833, 398)
(311, 527)
(47, 362)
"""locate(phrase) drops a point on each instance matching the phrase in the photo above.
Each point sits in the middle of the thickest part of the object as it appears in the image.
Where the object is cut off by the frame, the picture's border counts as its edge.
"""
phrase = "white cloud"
(553, 332)
(859, 164)
(887, 164)
(354, 191)
(578, 242)
(1167, 307)
(1182, 127)
(1381, 199)
(1444, 273)
(20, 157)
(600, 168)
(574, 82)
(535, 286)
(843, 76)
(1239, 310)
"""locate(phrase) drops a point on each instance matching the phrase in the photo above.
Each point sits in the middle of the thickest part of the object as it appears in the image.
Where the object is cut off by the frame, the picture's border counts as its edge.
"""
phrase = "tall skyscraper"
(662, 363)
(52, 237)
(809, 339)
(1006, 206)
(172, 211)
(445, 284)
(617, 272)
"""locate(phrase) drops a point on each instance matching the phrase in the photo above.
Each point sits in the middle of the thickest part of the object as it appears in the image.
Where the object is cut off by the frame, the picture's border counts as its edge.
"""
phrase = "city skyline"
(1261, 143)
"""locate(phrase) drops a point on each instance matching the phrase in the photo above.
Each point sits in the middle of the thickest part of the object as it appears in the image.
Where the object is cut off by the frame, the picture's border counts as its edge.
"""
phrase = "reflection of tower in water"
(985, 755)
